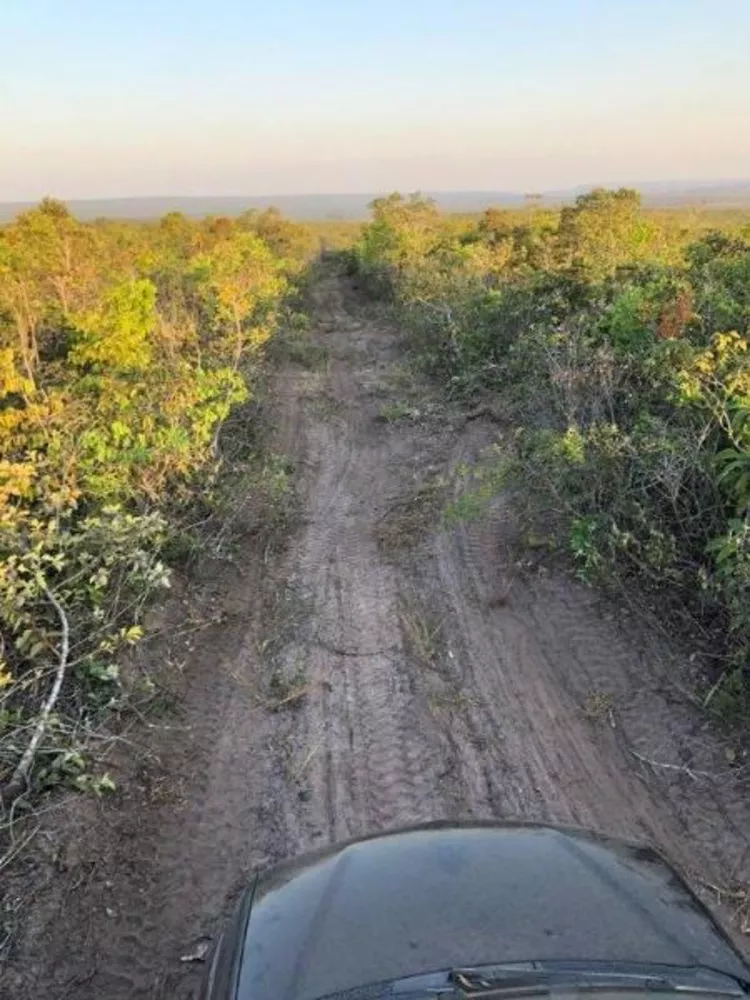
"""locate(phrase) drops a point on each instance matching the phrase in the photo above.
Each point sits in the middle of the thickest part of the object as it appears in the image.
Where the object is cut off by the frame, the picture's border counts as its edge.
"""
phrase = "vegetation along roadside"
(614, 341)
(123, 349)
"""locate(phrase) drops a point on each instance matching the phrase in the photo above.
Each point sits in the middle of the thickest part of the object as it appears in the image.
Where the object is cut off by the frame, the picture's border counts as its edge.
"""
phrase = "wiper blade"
(475, 983)
(471, 981)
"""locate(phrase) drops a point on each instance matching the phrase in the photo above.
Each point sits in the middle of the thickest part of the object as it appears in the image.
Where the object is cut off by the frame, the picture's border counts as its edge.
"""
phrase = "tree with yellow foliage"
(240, 283)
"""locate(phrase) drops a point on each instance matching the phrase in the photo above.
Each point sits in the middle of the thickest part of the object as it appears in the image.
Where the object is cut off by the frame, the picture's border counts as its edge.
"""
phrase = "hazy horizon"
(337, 205)
(242, 98)
(663, 185)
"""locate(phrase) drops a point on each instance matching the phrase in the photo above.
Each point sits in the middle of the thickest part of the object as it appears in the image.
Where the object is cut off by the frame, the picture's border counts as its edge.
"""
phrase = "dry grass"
(326, 406)
(393, 413)
(599, 707)
(422, 632)
(287, 692)
(409, 519)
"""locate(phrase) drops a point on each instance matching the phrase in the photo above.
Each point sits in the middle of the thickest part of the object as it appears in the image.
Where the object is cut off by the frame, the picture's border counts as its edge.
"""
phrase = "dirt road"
(380, 670)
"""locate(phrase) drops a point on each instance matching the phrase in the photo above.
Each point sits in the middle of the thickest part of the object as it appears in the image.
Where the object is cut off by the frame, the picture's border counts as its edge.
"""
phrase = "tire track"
(374, 769)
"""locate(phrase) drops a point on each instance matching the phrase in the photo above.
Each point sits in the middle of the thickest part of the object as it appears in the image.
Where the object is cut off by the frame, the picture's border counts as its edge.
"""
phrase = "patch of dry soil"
(381, 671)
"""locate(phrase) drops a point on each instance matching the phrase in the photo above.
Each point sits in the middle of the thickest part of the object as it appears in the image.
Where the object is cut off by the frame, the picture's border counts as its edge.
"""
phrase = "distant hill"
(297, 206)
(354, 206)
(729, 194)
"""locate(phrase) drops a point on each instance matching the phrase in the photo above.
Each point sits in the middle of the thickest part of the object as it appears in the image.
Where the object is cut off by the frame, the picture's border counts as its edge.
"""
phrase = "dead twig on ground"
(337, 650)
(715, 687)
(299, 771)
(297, 695)
(682, 768)
(19, 845)
(738, 897)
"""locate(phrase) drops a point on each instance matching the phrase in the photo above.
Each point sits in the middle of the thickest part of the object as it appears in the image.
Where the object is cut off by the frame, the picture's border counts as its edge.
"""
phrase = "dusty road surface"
(381, 669)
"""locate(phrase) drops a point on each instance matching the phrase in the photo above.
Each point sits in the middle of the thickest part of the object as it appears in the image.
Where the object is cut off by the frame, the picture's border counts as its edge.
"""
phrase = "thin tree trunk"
(238, 334)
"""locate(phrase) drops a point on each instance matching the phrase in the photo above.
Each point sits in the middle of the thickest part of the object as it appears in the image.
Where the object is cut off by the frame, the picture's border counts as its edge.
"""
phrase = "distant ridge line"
(727, 194)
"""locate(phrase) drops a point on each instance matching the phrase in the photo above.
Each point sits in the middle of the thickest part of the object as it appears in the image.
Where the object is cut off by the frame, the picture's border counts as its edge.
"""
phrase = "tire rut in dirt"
(370, 766)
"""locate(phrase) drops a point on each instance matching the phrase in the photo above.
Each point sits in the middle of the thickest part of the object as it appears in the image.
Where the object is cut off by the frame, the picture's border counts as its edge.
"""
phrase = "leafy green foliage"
(114, 336)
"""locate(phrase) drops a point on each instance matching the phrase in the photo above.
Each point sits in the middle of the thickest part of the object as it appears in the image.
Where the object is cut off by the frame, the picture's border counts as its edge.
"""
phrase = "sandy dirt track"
(380, 670)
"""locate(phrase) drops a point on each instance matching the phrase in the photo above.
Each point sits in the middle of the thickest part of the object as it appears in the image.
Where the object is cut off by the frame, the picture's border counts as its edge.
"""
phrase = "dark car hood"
(438, 897)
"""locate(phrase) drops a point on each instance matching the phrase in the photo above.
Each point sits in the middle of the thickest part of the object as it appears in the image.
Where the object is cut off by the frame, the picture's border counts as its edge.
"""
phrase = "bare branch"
(20, 777)
(682, 768)
(715, 687)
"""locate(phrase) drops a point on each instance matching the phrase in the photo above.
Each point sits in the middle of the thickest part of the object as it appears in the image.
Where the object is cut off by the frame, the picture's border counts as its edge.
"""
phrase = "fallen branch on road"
(683, 768)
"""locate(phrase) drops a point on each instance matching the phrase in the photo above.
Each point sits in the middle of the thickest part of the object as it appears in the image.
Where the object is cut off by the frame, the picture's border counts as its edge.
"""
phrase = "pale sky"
(108, 98)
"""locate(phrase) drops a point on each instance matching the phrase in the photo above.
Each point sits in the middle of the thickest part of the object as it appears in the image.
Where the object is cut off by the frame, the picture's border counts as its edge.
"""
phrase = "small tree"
(402, 232)
(240, 283)
(603, 231)
(49, 267)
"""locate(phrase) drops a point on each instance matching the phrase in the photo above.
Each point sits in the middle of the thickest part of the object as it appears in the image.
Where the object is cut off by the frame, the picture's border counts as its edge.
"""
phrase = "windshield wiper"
(497, 982)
